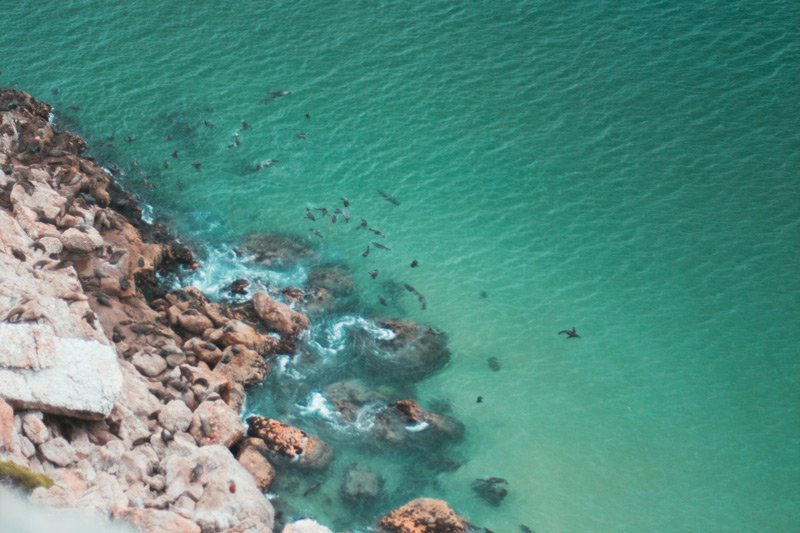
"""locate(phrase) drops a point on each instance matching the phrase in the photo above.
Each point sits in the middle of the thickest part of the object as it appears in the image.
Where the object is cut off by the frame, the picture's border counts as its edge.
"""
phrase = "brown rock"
(290, 445)
(279, 317)
(205, 351)
(411, 409)
(202, 376)
(194, 322)
(242, 365)
(237, 332)
(254, 462)
(423, 515)
(216, 423)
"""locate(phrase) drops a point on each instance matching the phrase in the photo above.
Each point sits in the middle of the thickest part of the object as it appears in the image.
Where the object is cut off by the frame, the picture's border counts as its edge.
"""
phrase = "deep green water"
(630, 169)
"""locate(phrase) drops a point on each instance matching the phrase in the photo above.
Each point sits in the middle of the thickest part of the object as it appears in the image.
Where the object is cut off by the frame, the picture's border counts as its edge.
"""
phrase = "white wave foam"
(224, 265)
(419, 426)
(336, 335)
(320, 406)
(284, 367)
(148, 215)
(365, 419)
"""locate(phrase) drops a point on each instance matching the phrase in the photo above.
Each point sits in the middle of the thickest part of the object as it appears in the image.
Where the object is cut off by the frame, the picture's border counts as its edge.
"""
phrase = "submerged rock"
(407, 351)
(239, 287)
(491, 489)
(423, 515)
(405, 422)
(361, 485)
(277, 250)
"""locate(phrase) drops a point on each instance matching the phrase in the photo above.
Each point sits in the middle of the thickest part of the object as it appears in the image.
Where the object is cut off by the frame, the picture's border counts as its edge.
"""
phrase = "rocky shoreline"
(125, 394)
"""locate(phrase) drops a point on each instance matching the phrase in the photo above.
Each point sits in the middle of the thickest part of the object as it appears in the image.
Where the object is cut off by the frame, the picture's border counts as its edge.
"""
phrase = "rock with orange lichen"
(290, 445)
(423, 515)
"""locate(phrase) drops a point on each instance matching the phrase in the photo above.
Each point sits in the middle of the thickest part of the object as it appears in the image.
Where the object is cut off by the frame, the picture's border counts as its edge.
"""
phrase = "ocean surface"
(628, 169)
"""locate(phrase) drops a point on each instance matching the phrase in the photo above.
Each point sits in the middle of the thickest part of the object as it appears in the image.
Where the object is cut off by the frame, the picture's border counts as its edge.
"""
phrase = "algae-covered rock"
(23, 477)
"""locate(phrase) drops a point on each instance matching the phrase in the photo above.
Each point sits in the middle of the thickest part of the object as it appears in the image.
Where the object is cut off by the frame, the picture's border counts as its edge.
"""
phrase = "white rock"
(82, 377)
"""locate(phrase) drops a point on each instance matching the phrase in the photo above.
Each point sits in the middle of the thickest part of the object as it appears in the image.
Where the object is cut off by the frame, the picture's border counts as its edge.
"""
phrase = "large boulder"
(280, 318)
(423, 515)
(67, 376)
(237, 332)
(230, 496)
(401, 349)
(330, 288)
(289, 445)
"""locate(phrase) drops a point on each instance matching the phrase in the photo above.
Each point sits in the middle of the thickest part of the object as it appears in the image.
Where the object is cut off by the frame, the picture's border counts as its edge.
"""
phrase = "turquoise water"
(628, 170)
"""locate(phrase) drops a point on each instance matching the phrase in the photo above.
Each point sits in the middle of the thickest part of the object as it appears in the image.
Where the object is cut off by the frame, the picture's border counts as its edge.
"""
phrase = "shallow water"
(629, 171)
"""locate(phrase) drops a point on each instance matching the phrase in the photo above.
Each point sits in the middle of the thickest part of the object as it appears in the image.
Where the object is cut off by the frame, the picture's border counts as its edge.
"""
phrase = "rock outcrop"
(108, 385)
(289, 445)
